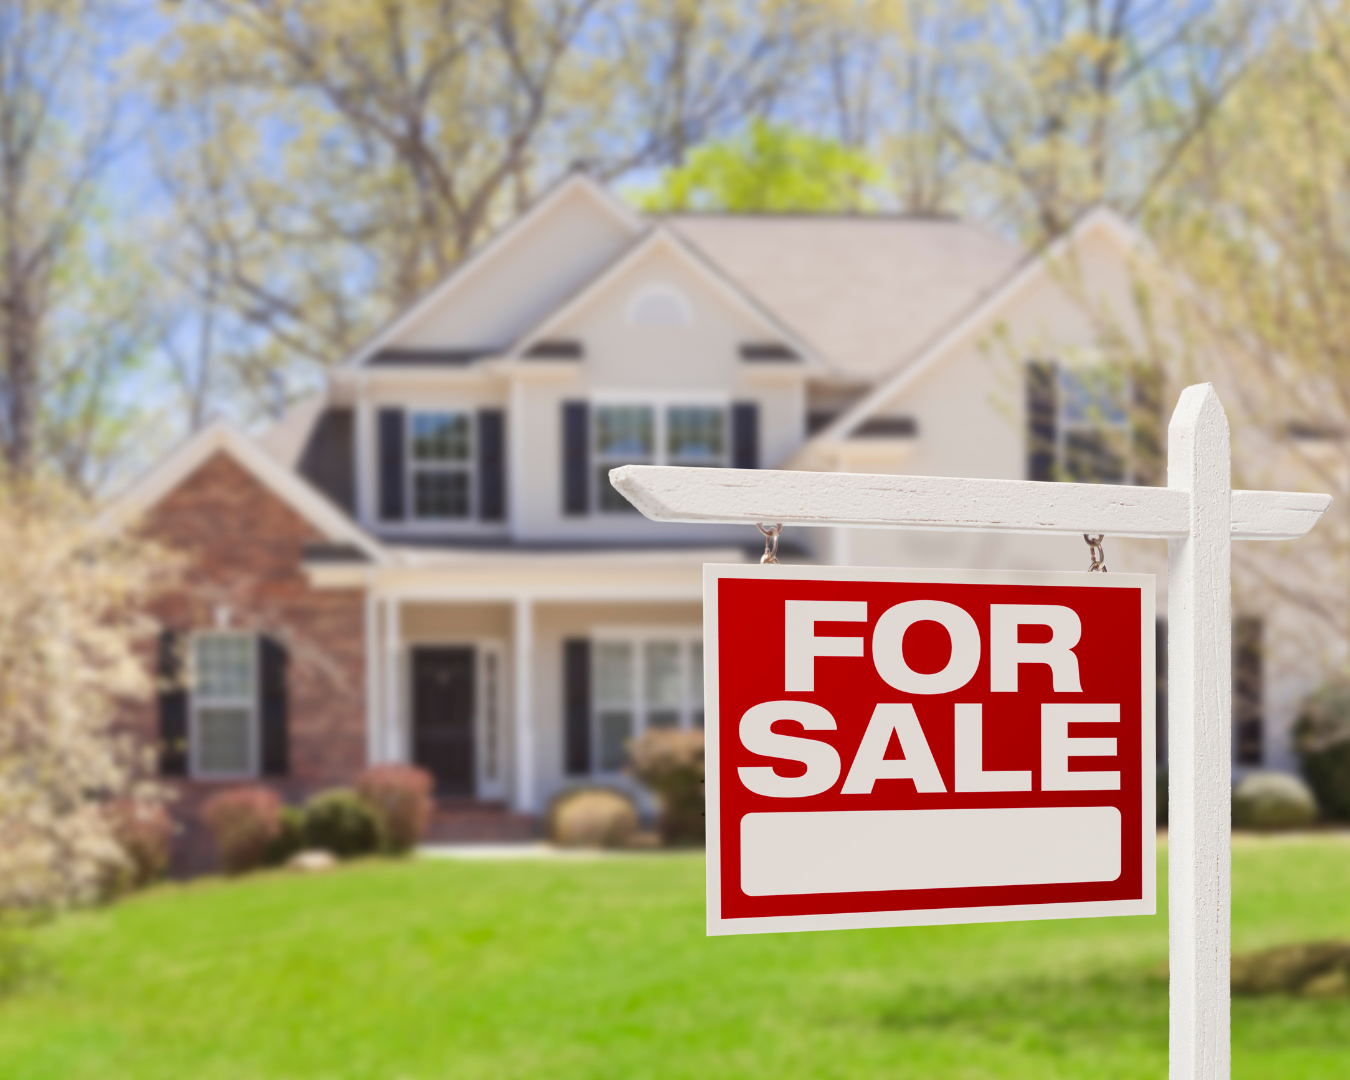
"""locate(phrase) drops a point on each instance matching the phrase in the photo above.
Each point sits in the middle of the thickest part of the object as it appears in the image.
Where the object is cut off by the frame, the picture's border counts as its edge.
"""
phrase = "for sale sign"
(906, 747)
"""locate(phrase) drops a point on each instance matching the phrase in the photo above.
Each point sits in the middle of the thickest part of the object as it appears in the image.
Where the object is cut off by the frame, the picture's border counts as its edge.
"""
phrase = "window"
(694, 435)
(659, 305)
(442, 461)
(624, 435)
(1094, 426)
(644, 681)
(224, 719)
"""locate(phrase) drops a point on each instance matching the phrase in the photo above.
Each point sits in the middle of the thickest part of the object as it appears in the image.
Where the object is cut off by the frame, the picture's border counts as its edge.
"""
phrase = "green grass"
(600, 969)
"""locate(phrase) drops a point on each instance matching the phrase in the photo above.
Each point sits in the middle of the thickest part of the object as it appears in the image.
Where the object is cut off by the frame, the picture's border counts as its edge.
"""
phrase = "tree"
(58, 122)
(72, 637)
(327, 161)
(768, 168)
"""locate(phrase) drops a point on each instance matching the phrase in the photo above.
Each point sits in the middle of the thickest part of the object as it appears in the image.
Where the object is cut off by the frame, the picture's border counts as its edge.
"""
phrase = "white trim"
(1146, 904)
(466, 270)
(985, 312)
(309, 503)
(660, 236)
(522, 641)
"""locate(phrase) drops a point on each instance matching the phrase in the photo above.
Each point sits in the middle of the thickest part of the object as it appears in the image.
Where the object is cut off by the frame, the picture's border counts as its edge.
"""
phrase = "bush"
(1269, 800)
(290, 837)
(244, 823)
(144, 832)
(670, 763)
(342, 822)
(1322, 739)
(592, 817)
(1161, 796)
(401, 796)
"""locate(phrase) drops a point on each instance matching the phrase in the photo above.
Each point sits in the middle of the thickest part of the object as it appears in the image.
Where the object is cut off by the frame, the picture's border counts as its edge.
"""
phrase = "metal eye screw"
(771, 534)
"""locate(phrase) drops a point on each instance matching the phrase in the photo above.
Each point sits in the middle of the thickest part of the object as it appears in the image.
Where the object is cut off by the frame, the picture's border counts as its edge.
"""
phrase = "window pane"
(614, 673)
(223, 737)
(1093, 396)
(616, 729)
(624, 432)
(224, 666)
(1095, 457)
(440, 494)
(662, 674)
(696, 681)
(440, 437)
(695, 434)
(610, 498)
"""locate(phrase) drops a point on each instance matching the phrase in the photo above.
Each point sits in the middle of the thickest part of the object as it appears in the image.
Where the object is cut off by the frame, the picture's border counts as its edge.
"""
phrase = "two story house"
(426, 563)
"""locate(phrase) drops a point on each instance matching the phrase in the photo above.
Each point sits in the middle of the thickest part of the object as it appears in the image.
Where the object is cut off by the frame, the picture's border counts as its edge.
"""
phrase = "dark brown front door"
(443, 717)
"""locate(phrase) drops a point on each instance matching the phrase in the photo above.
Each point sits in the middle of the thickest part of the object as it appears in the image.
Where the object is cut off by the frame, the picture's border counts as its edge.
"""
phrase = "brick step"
(467, 822)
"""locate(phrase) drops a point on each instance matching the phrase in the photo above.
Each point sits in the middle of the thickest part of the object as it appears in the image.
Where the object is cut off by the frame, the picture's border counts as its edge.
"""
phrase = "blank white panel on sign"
(787, 854)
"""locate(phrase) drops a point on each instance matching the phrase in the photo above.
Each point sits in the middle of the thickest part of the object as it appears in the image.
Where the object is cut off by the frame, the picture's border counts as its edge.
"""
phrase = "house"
(427, 563)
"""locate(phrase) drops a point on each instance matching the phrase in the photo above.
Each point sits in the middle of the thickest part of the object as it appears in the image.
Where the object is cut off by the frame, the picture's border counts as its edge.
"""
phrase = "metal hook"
(1098, 555)
(771, 534)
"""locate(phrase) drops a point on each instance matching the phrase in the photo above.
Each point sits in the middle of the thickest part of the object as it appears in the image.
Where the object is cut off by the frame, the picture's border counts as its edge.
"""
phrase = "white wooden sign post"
(1199, 515)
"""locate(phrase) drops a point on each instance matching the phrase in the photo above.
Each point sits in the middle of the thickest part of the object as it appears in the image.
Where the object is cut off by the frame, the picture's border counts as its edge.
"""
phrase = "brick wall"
(243, 549)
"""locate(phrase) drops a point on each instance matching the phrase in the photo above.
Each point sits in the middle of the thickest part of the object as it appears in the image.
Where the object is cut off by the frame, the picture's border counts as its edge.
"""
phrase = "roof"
(867, 291)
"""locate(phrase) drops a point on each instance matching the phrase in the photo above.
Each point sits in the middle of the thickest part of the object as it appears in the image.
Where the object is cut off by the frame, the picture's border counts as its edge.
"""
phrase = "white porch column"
(523, 661)
(1199, 858)
(394, 749)
(374, 745)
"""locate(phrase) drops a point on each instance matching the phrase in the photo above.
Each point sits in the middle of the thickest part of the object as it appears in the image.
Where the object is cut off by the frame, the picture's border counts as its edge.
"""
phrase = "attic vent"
(771, 351)
(887, 427)
(555, 349)
(659, 305)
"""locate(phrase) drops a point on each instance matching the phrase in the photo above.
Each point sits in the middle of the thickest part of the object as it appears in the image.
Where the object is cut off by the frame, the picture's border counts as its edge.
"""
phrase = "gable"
(487, 303)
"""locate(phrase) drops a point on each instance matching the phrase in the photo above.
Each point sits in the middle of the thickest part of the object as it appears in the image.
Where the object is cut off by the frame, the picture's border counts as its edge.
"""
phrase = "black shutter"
(577, 705)
(173, 705)
(745, 435)
(273, 707)
(328, 461)
(1147, 426)
(491, 464)
(1042, 413)
(391, 465)
(576, 437)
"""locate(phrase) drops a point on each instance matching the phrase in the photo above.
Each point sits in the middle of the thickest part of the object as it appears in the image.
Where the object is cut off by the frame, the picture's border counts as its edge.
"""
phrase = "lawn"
(563, 969)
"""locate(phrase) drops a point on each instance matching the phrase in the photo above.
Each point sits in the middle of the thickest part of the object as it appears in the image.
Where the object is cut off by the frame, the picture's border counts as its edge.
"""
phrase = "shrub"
(1322, 739)
(342, 822)
(401, 796)
(244, 823)
(1161, 796)
(670, 763)
(290, 837)
(1269, 800)
(592, 817)
(144, 832)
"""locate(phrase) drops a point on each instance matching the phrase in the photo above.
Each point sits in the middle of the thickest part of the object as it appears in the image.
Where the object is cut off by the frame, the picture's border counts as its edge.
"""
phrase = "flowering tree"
(72, 603)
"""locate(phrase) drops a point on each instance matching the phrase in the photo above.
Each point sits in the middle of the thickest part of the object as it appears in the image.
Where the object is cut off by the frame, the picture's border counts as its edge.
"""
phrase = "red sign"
(907, 747)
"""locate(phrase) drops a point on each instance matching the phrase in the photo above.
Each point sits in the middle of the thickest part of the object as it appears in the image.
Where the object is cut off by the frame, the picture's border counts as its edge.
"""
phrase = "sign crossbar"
(1199, 515)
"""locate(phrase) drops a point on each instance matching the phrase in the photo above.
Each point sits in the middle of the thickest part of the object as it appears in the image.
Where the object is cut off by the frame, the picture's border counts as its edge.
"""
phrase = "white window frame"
(660, 406)
(638, 638)
(197, 701)
(469, 465)
(1063, 426)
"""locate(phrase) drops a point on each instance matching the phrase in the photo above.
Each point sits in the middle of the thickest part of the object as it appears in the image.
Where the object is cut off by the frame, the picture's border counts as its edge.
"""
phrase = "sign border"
(1146, 905)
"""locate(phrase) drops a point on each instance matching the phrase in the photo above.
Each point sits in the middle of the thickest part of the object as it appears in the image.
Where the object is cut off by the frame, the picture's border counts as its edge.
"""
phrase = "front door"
(443, 717)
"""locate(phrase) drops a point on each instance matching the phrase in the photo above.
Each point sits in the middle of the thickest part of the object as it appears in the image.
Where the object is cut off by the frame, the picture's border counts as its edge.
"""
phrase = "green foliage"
(578, 969)
(1269, 800)
(1322, 739)
(289, 838)
(769, 168)
(1162, 796)
(341, 822)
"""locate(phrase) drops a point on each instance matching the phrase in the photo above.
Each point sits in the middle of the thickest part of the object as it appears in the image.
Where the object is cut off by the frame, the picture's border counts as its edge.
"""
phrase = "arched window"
(659, 305)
